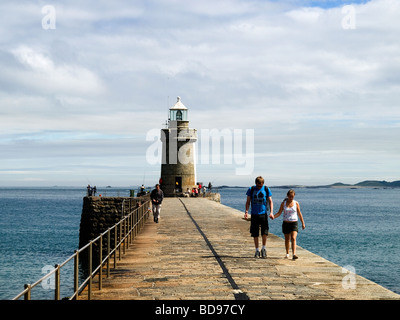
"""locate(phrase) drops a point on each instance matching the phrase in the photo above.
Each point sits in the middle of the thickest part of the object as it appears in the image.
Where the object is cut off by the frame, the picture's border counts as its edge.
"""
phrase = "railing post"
(101, 262)
(90, 272)
(125, 242)
(131, 226)
(128, 233)
(57, 280)
(128, 223)
(136, 221)
(108, 252)
(27, 295)
(76, 274)
(120, 241)
(142, 207)
(141, 217)
(115, 246)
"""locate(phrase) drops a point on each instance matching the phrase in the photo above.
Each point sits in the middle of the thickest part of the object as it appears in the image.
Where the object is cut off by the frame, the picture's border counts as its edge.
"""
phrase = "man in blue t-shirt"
(260, 199)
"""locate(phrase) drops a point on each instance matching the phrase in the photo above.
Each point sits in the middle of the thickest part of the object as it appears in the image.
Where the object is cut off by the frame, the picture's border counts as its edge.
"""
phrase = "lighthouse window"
(179, 115)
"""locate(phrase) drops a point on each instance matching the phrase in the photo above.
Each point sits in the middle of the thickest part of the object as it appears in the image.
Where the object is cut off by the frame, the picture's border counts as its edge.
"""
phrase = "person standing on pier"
(260, 199)
(156, 196)
(89, 190)
(291, 214)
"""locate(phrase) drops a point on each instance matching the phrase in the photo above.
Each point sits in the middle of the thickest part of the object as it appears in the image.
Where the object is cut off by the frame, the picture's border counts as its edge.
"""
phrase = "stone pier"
(101, 213)
(202, 250)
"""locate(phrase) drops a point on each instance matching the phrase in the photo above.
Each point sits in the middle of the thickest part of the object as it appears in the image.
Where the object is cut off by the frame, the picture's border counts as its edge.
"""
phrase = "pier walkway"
(201, 249)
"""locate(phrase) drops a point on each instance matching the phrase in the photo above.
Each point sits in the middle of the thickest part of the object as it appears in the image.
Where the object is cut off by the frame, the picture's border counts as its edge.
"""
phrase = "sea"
(354, 228)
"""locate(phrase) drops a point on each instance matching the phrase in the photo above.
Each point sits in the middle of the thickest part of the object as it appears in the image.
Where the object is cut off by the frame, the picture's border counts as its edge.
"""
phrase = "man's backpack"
(266, 200)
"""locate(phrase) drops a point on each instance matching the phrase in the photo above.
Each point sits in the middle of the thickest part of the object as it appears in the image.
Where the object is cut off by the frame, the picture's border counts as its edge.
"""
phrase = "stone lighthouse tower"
(178, 167)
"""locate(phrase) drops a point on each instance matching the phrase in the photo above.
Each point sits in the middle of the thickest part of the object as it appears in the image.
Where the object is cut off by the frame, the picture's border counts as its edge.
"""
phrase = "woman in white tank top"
(291, 214)
(290, 211)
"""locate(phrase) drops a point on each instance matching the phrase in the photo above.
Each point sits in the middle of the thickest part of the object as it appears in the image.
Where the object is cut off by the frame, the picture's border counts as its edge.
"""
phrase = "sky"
(306, 92)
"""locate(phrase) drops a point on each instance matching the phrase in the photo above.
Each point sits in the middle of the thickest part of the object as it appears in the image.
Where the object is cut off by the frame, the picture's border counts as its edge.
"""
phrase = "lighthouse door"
(178, 184)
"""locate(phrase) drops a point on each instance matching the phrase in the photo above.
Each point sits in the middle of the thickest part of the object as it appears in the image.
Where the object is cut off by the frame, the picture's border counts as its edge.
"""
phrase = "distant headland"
(363, 184)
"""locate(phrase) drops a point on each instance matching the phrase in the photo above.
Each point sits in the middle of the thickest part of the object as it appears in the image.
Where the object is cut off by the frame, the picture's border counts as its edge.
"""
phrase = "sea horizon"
(361, 184)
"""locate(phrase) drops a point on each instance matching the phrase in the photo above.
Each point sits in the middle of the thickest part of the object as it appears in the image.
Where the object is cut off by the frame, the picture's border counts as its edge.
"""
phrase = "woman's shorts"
(257, 221)
(288, 227)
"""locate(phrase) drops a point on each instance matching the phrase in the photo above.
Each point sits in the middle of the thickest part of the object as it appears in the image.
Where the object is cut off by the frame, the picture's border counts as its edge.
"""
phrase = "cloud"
(39, 72)
(306, 15)
(314, 92)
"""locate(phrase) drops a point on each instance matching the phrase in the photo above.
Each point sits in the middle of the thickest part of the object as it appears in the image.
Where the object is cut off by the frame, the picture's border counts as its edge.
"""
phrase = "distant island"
(363, 184)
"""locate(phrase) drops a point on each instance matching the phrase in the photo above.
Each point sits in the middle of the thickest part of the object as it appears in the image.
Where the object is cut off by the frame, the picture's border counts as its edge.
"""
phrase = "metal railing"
(123, 232)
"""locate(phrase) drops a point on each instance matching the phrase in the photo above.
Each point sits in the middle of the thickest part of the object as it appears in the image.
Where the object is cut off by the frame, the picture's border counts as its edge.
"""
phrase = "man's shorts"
(257, 221)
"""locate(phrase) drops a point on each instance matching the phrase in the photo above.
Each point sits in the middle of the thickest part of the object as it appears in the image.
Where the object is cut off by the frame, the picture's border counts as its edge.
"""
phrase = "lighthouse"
(178, 167)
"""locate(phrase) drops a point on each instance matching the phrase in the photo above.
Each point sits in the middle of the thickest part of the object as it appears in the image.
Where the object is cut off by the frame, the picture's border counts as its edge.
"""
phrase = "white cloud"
(306, 15)
(40, 72)
(107, 74)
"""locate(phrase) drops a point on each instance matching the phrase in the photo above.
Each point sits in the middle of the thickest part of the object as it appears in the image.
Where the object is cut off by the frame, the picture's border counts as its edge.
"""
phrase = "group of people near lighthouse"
(259, 199)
